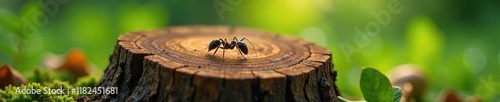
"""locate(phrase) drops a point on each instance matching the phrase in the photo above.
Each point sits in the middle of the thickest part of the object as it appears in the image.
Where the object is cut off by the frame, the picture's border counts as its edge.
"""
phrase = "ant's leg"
(239, 50)
(223, 52)
(216, 50)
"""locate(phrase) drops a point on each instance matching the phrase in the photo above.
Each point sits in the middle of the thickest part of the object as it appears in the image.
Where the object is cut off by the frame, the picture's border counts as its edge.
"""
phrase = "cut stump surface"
(173, 64)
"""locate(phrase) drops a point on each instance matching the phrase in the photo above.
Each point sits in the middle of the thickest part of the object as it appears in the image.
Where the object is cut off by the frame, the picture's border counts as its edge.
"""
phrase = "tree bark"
(173, 64)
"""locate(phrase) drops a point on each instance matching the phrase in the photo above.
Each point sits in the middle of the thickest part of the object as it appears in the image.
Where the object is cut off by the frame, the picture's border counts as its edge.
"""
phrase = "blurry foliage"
(435, 35)
(424, 41)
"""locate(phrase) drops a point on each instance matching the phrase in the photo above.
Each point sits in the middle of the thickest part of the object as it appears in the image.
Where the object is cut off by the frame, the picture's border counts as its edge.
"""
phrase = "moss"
(41, 78)
(87, 81)
(42, 75)
(8, 94)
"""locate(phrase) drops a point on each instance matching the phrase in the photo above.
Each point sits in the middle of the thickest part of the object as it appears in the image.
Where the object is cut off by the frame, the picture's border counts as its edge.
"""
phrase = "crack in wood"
(288, 93)
(257, 94)
(305, 89)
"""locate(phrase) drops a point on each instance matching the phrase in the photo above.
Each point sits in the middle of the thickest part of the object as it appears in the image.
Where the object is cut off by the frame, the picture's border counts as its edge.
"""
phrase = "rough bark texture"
(173, 65)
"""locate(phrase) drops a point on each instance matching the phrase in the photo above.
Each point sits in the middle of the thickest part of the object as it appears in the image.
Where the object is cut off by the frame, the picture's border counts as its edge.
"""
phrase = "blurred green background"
(455, 42)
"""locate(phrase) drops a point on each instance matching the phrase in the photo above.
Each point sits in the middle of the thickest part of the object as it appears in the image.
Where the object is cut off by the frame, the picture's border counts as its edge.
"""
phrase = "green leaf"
(342, 99)
(397, 93)
(375, 86)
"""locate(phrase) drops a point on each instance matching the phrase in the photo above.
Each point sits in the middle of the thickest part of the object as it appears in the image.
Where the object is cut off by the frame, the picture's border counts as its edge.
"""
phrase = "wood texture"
(173, 65)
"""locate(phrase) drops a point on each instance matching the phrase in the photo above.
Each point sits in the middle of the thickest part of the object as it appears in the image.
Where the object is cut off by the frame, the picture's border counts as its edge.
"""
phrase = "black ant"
(242, 47)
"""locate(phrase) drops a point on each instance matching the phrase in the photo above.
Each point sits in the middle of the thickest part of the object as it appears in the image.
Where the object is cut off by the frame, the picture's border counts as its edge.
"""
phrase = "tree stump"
(173, 64)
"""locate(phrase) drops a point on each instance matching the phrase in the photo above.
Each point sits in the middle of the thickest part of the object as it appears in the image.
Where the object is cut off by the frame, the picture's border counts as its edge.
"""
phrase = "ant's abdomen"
(243, 47)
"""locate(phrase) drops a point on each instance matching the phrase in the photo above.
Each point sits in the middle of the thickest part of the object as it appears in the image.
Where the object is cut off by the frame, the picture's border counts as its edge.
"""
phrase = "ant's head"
(233, 42)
